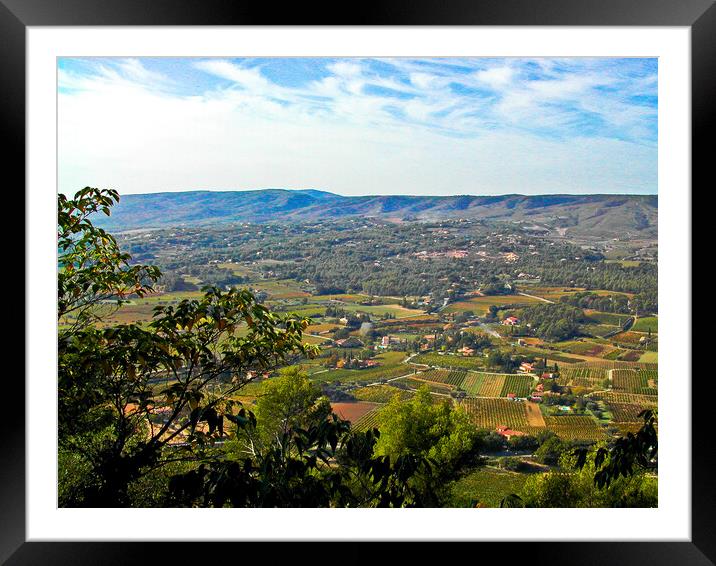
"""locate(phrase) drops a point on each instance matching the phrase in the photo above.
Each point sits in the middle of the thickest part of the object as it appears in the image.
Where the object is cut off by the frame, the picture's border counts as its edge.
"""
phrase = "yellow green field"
(481, 305)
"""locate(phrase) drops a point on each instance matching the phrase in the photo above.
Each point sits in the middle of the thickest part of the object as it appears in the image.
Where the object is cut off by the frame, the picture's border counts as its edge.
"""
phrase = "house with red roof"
(507, 432)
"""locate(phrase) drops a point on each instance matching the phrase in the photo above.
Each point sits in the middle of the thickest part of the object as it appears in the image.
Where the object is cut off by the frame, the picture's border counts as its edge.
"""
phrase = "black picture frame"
(17, 15)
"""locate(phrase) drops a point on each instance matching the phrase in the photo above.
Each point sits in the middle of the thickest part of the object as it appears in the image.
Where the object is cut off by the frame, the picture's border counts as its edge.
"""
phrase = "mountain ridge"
(594, 214)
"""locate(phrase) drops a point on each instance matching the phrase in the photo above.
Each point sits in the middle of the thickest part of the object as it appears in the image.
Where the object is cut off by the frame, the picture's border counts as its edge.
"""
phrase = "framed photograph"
(322, 282)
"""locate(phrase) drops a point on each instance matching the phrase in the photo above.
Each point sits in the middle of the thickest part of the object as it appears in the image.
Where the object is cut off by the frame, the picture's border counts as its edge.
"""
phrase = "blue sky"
(359, 126)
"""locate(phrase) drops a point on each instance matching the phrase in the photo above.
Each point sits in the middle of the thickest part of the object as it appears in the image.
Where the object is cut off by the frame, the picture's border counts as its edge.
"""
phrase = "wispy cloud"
(360, 125)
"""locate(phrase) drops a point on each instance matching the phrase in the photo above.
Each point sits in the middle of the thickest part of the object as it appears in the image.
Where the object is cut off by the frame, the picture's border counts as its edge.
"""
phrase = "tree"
(328, 466)
(288, 402)
(554, 321)
(116, 420)
(94, 276)
(550, 451)
(523, 443)
(630, 455)
(436, 431)
(567, 488)
(607, 475)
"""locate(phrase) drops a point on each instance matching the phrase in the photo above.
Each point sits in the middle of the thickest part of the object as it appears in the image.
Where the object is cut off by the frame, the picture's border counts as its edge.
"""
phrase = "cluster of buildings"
(507, 432)
(355, 363)
(526, 367)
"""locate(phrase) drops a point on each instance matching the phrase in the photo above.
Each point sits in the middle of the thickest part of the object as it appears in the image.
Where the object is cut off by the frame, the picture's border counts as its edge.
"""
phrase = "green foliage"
(92, 271)
(631, 454)
(420, 426)
(288, 402)
(617, 475)
(325, 465)
(597, 302)
(484, 487)
(567, 488)
(115, 417)
(554, 321)
(550, 451)
(341, 255)
(523, 443)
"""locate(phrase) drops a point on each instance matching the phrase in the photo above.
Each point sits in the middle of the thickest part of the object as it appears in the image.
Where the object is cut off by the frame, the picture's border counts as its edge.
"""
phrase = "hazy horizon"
(359, 127)
(204, 190)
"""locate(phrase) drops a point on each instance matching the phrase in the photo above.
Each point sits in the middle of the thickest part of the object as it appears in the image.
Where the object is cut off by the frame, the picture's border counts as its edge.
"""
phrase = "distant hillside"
(595, 215)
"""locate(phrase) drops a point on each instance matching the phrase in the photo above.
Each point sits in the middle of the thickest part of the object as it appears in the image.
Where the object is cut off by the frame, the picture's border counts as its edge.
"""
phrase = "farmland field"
(448, 361)
(639, 381)
(628, 338)
(645, 324)
(648, 401)
(457, 378)
(436, 375)
(454, 378)
(585, 372)
(534, 415)
(367, 420)
(625, 412)
(649, 357)
(481, 305)
(353, 412)
(583, 348)
(520, 385)
(616, 364)
(607, 318)
(380, 393)
(282, 289)
(485, 487)
(582, 376)
(576, 427)
(395, 310)
(473, 383)
(491, 413)
(625, 428)
(370, 374)
(415, 382)
(485, 384)
(600, 331)
(551, 355)
(550, 293)
(321, 327)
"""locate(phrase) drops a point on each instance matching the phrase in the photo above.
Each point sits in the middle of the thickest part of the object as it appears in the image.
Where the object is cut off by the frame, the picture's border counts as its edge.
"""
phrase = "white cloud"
(122, 127)
(250, 79)
(495, 77)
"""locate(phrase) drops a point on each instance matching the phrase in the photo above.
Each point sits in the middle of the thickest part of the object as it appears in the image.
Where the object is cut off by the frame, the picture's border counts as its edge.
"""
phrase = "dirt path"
(319, 336)
(534, 415)
(536, 297)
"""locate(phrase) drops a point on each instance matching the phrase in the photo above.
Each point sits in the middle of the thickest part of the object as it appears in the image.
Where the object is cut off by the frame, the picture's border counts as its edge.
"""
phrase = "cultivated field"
(645, 324)
(639, 381)
(486, 487)
(576, 427)
(380, 393)
(353, 412)
(491, 413)
(448, 361)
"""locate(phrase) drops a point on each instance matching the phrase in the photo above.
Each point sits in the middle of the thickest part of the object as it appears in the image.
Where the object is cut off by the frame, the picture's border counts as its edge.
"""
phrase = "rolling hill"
(576, 215)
